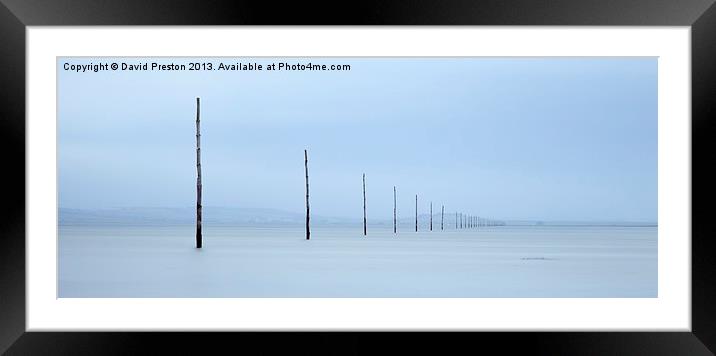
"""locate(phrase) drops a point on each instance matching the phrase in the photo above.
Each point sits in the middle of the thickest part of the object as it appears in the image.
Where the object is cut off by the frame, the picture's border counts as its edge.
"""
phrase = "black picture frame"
(15, 15)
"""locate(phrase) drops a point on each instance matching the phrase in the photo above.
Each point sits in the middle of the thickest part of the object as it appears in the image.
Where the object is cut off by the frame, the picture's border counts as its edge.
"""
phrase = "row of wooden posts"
(462, 221)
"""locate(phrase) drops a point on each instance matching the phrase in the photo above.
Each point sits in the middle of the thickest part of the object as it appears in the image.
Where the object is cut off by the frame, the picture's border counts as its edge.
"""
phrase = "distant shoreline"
(278, 218)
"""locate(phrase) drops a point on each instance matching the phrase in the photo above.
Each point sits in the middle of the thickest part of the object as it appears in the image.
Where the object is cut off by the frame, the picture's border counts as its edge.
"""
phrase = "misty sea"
(239, 261)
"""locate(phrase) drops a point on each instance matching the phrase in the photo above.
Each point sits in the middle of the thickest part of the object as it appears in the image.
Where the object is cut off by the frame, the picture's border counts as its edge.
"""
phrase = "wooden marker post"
(365, 220)
(395, 217)
(198, 179)
(416, 213)
(308, 215)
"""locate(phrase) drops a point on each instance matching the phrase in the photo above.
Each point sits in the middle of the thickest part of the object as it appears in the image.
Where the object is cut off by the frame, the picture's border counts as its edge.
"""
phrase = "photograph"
(357, 177)
(529, 177)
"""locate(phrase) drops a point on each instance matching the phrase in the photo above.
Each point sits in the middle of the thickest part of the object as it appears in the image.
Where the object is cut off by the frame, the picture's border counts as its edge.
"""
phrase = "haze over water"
(512, 138)
(563, 141)
(499, 262)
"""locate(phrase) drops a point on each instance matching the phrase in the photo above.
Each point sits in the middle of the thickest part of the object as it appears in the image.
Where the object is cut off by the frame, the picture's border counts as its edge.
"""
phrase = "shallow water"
(497, 262)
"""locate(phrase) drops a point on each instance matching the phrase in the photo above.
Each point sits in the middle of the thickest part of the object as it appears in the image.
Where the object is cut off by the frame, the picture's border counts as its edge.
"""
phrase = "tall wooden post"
(365, 220)
(442, 217)
(308, 210)
(198, 179)
(395, 215)
(431, 216)
(416, 213)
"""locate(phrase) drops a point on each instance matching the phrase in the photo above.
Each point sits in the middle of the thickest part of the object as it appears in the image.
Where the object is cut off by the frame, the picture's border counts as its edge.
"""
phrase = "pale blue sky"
(528, 138)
